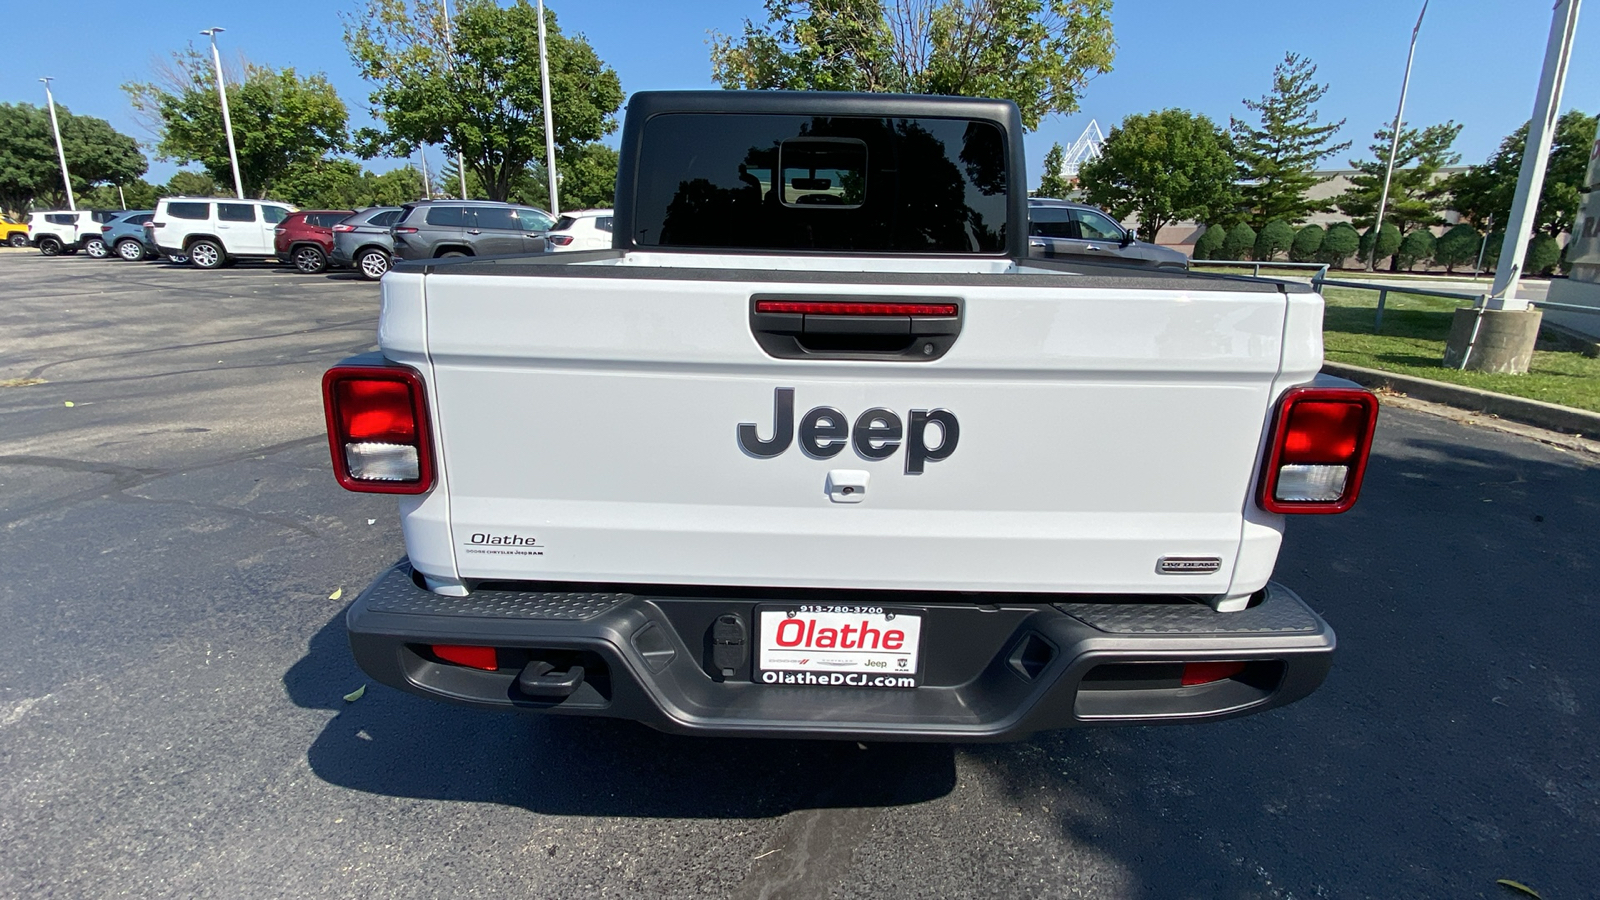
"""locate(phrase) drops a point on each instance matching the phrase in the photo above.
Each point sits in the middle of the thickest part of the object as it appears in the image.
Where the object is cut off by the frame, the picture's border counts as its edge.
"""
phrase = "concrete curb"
(1515, 409)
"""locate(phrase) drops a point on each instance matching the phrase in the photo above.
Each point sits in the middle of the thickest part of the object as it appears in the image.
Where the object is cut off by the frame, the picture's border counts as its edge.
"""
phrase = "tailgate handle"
(539, 679)
(907, 329)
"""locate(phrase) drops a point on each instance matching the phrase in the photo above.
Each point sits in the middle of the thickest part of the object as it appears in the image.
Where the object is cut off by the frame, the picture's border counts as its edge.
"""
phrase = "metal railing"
(1255, 267)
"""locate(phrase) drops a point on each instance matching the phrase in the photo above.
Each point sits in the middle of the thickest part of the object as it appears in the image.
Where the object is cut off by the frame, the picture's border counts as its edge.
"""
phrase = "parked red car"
(306, 238)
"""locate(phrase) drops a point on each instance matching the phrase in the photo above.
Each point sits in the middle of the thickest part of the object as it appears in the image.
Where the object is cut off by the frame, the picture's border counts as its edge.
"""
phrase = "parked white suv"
(583, 229)
(214, 232)
(61, 231)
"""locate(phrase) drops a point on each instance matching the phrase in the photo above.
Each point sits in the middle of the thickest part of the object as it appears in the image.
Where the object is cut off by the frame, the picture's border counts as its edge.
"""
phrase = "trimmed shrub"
(1544, 252)
(1210, 242)
(1458, 247)
(1339, 244)
(1388, 243)
(1307, 241)
(1240, 241)
(1415, 247)
(1275, 238)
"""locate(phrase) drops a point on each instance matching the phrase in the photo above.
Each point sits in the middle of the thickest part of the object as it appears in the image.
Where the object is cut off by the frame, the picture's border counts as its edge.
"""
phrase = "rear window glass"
(447, 215)
(841, 183)
(386, 218)
(1050, 222)
(236, 212)
(62, 219)
(535, 220)
(140, 219)
(603, 223)
(564, 223)
(189, 210)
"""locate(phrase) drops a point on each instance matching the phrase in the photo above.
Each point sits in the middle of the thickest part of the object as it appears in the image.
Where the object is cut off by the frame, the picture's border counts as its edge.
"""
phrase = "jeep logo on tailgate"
(877, 433)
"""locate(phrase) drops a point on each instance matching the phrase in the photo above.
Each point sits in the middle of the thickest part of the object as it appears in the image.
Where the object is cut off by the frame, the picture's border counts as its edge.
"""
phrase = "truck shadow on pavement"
(1453, 742)
(392, 743)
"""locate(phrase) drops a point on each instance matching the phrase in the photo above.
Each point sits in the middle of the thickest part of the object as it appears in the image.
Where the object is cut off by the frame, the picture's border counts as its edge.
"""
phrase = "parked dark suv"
(305, 238)
(436, 228)
(362, 241)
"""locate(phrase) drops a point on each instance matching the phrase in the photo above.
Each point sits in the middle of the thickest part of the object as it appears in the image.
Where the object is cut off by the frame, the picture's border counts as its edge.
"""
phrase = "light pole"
(1394, 143)
(549, 118)
(66, 179)
(1535, 157)
(450, 49)
(227, 120)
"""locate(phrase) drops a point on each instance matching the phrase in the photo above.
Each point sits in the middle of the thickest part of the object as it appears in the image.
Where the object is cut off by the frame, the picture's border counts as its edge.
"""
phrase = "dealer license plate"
(838, 646)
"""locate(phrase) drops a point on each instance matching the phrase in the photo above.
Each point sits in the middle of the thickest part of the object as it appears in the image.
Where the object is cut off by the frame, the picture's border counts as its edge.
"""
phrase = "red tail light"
(846, 308)
(1318, 451)
(341, 228)
(378, 429)
(404, 229)
(104, 229)
(560, 240)
(472, 657)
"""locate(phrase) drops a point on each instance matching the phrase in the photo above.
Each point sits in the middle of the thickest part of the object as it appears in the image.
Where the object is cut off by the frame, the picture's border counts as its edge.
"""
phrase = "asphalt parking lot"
(175, 560)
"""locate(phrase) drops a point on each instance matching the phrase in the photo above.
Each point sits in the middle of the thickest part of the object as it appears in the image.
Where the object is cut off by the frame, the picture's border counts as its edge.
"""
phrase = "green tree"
(1339, 244)
(1210, 242)
(588, 177)
(30, 171)
(1275, 237)
(192, 184)
(1417, 246)
(1238, 243)
(321, 184)
(1388, 242)
(1491, 249)
(1485, 192)
(1038, 53)
(478, 93)
(137, 194)
(1163, 167)
(281, 121)
(392, 188)
(1051, 183)
(1307, 241)
(1279, 155)
(1457, 247)
(1416, 194)
(1544, 254)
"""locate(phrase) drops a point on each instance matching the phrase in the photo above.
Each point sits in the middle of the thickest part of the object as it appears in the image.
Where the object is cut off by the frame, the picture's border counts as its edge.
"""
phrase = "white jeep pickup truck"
(817, 450)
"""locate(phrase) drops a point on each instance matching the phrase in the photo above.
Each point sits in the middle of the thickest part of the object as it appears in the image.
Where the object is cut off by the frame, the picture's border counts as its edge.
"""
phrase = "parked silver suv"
(430, 229)
(1060, 229)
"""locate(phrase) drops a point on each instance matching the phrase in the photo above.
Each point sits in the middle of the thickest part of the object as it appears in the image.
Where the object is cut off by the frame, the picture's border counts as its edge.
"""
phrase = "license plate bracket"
(838, 645)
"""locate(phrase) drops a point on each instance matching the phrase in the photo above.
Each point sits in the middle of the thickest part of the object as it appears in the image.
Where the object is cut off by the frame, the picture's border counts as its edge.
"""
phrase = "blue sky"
(1478, 61)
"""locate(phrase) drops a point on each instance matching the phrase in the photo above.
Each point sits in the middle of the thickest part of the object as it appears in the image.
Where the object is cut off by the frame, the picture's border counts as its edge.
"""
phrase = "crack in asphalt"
(38, 371)
(125, 478)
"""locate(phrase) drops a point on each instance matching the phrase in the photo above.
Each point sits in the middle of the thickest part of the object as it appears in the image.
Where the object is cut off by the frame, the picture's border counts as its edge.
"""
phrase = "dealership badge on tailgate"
(838, 645)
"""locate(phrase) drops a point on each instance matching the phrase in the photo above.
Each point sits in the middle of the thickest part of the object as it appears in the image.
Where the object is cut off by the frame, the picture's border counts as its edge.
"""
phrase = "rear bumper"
(992, 670)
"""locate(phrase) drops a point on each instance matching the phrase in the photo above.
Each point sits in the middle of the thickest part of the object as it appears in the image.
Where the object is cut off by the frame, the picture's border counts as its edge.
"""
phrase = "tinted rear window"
(603, 223)
(563, 223)
(498, 218)
(386, 218)
(236, 212)
(62, 219)
(189, 210)
(839, 183)
(454, 216)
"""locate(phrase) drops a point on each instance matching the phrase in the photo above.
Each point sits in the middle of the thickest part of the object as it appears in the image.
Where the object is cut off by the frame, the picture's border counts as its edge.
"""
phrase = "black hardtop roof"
(824, 103)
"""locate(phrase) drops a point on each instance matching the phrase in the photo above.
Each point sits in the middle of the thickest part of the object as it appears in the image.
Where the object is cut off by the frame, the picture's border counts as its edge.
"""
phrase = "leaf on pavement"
(360, 692)
(70, 403)
(337, 593)
(1519, 886)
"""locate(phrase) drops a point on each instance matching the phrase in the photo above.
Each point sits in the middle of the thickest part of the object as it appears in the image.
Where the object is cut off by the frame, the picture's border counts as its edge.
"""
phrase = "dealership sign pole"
(1394, 141)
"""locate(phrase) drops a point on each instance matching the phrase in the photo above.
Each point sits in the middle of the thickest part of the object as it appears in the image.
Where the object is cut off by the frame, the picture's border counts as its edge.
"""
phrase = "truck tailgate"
(587, 429)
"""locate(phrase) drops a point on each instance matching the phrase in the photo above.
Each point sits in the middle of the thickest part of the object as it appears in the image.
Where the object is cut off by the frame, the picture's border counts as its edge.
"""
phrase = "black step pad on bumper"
(995, 666)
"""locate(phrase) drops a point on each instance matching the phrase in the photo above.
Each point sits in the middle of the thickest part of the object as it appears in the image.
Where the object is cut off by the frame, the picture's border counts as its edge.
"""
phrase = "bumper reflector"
(471, 657)
(1208, 672)
(373, 461)
(1303, 483)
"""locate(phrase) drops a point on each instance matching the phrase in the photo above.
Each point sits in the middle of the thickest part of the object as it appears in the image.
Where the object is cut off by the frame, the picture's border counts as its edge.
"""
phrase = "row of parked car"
(210, 232)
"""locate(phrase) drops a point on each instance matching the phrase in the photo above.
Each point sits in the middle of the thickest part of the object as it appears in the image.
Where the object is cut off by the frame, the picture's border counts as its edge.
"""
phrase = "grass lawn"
(1412, 343)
